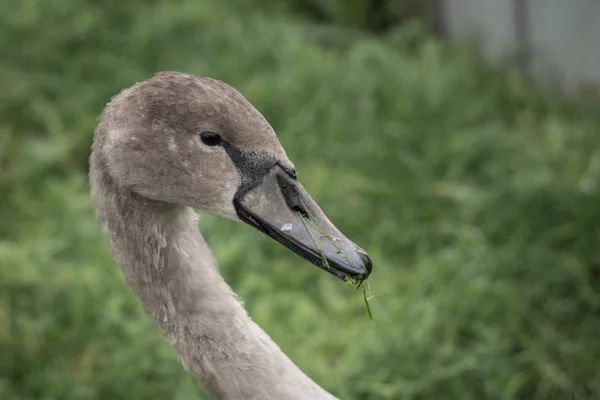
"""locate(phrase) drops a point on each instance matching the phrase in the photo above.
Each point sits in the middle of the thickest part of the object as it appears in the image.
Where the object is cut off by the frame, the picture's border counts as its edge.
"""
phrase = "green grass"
(476, 197)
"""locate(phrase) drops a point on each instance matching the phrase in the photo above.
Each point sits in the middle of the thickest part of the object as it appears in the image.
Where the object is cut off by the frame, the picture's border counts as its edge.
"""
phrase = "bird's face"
(198, 142)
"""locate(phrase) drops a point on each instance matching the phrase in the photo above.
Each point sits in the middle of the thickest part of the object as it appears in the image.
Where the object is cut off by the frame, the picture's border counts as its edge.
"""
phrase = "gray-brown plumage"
(149, 167)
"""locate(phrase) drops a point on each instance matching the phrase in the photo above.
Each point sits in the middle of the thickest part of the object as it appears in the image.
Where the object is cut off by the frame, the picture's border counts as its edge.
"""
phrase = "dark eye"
(210, 138)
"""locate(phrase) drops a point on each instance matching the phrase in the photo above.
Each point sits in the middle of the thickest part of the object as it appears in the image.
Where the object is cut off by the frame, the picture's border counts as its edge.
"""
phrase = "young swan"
(177, 142)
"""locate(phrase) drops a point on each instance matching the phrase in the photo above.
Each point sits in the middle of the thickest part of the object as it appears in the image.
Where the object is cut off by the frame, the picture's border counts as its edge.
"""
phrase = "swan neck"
(172, 271)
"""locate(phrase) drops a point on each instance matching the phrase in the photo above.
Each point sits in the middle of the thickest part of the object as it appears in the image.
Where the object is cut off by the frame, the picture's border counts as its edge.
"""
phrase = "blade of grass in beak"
(319, 244)
(368, 306)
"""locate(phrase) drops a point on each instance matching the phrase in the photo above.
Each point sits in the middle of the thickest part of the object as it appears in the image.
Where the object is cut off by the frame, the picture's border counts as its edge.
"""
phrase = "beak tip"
(367, 263)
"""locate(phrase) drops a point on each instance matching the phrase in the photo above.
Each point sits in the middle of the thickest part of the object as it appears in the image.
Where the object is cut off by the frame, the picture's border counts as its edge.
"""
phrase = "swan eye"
(210, 138)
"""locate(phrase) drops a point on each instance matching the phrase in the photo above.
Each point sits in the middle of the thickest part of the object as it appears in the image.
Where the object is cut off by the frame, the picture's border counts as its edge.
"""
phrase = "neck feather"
(172, 271)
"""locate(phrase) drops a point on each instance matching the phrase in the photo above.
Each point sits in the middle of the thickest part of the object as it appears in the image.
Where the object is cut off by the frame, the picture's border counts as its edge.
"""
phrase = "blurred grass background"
(476, 196)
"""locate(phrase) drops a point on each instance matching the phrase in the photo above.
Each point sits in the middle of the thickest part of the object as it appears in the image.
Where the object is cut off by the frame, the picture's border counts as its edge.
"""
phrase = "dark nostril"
(290, 194)
(366, 260)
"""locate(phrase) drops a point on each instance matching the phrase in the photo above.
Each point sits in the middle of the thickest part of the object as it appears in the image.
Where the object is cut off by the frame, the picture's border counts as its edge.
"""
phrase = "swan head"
(198, 142)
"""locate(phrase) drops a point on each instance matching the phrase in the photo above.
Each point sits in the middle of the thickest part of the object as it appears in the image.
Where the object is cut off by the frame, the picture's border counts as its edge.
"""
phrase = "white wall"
(559, 38)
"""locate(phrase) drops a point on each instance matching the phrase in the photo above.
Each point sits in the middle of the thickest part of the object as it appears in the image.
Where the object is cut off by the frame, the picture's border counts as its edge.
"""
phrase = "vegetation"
(476, 197)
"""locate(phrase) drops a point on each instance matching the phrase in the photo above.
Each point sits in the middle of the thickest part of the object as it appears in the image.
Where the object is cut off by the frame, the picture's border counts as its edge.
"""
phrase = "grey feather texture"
(148, 169)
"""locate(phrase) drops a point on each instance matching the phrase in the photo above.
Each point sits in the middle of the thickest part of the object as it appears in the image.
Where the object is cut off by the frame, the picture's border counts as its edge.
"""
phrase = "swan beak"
(281, 208)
